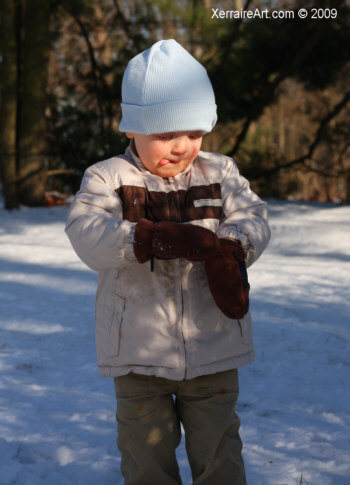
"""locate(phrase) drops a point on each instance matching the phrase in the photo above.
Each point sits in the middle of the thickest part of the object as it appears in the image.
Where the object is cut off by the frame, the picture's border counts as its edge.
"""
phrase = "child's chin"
(170, 172)
(170, 169)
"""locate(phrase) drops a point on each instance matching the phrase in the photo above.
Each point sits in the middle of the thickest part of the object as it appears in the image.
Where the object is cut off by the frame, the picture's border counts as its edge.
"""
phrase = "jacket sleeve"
(95, 225)
(245, 214)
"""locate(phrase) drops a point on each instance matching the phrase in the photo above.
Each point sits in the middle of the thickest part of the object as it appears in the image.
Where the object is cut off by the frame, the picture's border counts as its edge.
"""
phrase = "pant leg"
(206, 406)
(148, 430)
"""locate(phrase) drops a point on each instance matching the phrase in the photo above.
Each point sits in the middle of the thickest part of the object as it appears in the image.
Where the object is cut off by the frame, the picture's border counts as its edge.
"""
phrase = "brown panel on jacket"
(199, 202)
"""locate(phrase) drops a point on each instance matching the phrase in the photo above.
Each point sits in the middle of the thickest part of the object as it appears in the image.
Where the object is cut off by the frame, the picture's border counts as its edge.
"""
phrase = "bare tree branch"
(126, 26)
(231, 39)
(302, 50)
(316, 141)
(95, 71)
(63, 171)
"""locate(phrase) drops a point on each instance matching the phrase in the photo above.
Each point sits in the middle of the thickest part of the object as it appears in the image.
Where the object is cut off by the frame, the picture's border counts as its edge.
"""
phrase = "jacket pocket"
(113, 336)
(109, 311)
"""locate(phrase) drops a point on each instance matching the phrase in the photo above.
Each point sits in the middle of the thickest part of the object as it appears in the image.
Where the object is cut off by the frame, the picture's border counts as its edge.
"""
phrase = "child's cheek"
(195, 150)
(158, 151)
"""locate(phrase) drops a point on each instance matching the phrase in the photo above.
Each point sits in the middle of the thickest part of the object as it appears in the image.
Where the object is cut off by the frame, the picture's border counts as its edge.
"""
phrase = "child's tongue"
(164, 161)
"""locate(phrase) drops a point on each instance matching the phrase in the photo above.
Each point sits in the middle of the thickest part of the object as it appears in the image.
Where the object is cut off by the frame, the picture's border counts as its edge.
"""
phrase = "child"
(169, 228)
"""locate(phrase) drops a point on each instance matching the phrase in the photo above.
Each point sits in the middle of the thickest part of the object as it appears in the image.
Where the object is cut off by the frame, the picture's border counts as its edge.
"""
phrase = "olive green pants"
(149, 412)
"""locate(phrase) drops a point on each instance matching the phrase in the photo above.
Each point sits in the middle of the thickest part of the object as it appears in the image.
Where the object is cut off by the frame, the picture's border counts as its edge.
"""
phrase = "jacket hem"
(179, 374)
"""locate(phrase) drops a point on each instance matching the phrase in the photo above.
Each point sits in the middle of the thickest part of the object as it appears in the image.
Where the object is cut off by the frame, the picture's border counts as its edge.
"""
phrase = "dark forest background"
(282, 88)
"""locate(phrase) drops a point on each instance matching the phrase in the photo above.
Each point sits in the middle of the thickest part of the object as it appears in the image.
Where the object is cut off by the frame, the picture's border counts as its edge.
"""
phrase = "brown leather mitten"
(169, 240)
(228, 280)
(143, 240)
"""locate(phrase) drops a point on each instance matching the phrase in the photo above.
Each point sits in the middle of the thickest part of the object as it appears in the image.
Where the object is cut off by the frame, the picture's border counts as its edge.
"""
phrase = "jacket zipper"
(182, 331)
(170, 182)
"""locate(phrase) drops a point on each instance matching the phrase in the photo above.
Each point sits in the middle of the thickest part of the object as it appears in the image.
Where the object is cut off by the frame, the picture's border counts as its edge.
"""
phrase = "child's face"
(167, 154)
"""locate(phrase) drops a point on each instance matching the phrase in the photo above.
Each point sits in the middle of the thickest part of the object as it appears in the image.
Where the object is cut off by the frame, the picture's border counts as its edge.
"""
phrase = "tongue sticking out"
(164, 161)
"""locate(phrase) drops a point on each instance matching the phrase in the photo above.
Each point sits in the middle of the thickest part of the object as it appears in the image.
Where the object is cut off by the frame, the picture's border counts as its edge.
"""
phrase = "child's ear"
(130, 135)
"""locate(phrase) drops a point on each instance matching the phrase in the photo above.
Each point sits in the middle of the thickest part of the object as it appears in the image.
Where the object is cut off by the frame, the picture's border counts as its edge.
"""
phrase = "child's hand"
(228, 280)
(170, 240)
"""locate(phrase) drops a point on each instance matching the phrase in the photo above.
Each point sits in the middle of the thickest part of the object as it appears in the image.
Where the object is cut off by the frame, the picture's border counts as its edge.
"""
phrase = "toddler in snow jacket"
(169, 229)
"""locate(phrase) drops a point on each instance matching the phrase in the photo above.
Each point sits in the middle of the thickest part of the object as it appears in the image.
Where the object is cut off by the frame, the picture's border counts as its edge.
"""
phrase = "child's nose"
(180, 145)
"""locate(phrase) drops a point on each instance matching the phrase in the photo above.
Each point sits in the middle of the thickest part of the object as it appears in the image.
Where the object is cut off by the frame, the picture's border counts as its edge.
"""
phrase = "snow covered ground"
(57, 424)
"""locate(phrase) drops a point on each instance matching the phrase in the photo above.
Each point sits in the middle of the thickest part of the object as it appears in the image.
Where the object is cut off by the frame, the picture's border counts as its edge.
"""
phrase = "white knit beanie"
(165, 90)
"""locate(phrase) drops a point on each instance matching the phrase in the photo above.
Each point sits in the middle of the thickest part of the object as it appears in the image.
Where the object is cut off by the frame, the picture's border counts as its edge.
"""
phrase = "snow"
(57, 416)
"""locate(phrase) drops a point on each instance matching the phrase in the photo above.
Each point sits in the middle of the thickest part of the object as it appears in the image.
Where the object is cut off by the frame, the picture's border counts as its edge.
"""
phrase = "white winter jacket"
(165, 322)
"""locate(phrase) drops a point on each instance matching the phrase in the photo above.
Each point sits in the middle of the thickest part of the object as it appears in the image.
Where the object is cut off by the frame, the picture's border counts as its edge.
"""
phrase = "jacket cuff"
(129, 246)
(232, 232)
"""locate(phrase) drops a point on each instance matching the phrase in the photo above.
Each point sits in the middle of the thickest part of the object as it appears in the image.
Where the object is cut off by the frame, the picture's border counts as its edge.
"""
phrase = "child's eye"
(195, 135)
(166, 137)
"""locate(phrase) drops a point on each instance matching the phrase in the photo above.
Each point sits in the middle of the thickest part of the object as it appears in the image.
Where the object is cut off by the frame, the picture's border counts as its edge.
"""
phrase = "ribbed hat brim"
(168, 117)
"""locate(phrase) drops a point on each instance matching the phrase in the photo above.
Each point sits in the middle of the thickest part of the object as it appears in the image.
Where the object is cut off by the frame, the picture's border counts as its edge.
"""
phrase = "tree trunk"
(8, 114)
(347, 187)
(32, 123)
